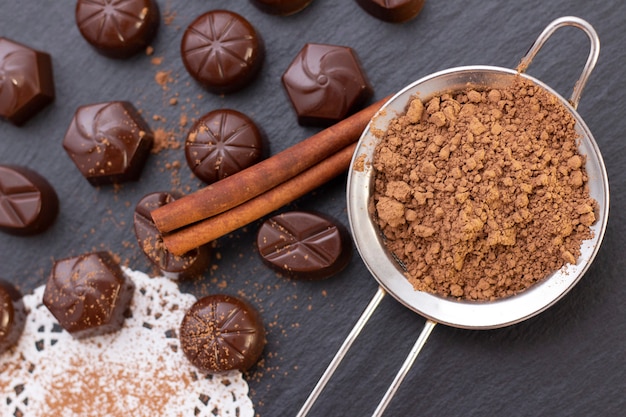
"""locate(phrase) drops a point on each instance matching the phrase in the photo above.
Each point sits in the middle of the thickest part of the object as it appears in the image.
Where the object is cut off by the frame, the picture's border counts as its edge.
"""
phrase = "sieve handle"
(404, 369)
(347, 343)
(592, 58)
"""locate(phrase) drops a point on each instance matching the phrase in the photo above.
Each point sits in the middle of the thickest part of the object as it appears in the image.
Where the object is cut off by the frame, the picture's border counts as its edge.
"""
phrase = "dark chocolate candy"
(117, 28)
(88, 294)
(304, 245)
(12, 315)
(221, 333)
(325, 83)
(150, 241)
(394, 11)
(280, 7)
(109, 142)
(28, 203)
(222, 143)
(222, 51)
(26, 82)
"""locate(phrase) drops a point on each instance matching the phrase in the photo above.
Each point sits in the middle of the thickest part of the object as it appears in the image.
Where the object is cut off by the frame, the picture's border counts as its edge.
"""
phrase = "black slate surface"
(568, 361)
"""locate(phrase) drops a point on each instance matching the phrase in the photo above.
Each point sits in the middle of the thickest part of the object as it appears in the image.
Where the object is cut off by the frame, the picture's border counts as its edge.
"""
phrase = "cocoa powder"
(481, 194)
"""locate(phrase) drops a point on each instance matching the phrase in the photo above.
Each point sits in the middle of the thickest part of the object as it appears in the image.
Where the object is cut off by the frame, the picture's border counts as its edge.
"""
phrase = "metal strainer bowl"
(387, 271)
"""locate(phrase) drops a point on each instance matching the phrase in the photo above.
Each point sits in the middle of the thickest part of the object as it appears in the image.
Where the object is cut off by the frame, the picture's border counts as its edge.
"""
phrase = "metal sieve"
(387, 271)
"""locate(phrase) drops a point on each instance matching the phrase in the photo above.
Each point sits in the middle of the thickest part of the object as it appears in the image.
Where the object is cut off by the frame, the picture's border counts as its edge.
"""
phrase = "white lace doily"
(138, 371)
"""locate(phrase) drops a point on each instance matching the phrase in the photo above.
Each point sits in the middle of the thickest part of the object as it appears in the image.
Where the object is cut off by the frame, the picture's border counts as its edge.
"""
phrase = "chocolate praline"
(88, 294)
(28, 203)
(222, 143)
(12, 315)
(280, 7)
(150, 241)
(26, 81)
(117, 28)
(108, 142)
(220, 333)
(393, 11)
(222, 51)
(325, 83)
(304, 245)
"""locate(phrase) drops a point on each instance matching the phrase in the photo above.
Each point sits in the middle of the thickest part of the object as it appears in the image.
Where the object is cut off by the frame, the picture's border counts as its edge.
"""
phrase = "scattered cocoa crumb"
(173, 101)
(163, 78)
(149, 50)
(481, 194)
(157, 60)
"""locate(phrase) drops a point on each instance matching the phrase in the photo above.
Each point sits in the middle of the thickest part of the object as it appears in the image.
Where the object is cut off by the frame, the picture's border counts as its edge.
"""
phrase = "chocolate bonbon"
(117, 28)
(281, 7)
(394, 11)
(108, 142)
(221, 333)
(12, 315)
(304, 245)
(88, 294)
(222, 51)
(325, 83)
(26, 81)
(222, 143)
(28, 203)
(150, 241)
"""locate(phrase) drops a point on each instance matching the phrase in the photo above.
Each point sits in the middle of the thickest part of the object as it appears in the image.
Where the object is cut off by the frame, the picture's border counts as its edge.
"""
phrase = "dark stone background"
(570, 360)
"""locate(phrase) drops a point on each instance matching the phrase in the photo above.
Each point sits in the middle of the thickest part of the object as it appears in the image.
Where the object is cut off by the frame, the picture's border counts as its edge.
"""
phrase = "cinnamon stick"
(186, 239)
(267, 174)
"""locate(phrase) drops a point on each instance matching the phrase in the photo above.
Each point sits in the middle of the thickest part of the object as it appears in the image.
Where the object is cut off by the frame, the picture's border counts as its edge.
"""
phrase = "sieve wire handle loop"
(347, 343)
(592, 58)
(404, 369)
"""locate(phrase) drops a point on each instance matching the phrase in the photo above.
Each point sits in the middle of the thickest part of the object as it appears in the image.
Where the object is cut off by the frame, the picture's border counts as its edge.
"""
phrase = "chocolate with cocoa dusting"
(88, 294)
(12, 315)
(221, 333)
(108, 142)
(480, 194)
(189, 265)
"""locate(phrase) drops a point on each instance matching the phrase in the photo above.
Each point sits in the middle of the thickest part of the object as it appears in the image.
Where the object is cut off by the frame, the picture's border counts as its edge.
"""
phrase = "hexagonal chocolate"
(108, 142)
(88, 294)
(26, 82)
(325, 83)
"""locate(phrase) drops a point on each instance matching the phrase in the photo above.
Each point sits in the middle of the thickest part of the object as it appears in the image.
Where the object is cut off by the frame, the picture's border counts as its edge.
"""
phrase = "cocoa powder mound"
(481, 194)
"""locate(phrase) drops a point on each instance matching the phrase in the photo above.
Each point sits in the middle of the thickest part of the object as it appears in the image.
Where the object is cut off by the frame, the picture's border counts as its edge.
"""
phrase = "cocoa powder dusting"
(480, 194)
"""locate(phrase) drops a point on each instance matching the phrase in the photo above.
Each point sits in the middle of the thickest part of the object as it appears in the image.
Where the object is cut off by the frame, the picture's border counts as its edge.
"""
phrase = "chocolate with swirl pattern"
(326, 83)
(26, 81)
(88, 294)
(108, 142)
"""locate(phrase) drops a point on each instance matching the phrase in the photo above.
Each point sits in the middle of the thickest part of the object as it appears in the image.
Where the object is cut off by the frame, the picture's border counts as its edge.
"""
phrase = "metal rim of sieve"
(389, 274)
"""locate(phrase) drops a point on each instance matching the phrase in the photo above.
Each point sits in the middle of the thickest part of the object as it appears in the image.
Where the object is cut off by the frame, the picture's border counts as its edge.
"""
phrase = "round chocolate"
(221, 333)
(28, 203)
(222, 51)
(88, 294)
(26, 82)
(117, 28)
(280, 7)
(150, 241)
(325, 83)
(108, 142)
(12, 315)
(304, 245)
(222, 143)
(394, 11)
